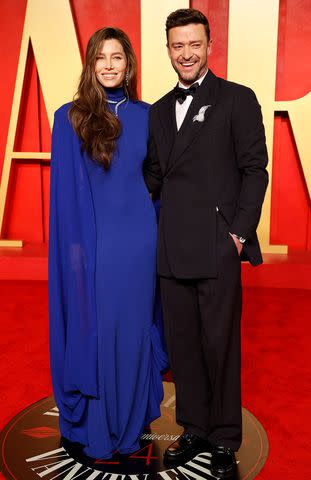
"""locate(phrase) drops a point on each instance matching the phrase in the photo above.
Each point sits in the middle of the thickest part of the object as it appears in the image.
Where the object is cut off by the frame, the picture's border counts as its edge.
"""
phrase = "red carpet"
(276, 365)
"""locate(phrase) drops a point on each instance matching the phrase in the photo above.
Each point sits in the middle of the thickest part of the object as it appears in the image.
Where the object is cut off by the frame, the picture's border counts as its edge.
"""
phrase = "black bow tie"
(181, 93)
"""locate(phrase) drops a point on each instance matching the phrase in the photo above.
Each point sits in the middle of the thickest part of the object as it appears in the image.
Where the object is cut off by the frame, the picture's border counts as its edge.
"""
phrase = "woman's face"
(110, 65)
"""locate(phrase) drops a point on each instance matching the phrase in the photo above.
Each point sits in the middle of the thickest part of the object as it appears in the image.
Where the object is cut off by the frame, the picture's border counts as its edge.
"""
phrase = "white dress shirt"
(182, 108)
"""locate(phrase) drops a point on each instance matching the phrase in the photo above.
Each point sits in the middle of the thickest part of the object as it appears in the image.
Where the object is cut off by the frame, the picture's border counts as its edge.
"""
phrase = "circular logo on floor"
(32, 449)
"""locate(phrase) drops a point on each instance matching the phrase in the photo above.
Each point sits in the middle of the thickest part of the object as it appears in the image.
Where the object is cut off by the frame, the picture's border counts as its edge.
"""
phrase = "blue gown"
(106, 335)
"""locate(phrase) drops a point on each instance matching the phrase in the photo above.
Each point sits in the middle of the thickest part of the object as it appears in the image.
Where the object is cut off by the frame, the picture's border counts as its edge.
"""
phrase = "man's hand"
(238, 244)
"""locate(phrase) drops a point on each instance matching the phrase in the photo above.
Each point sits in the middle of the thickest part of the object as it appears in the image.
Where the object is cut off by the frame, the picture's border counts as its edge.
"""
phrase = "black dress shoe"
(223, 462)
(186, 447)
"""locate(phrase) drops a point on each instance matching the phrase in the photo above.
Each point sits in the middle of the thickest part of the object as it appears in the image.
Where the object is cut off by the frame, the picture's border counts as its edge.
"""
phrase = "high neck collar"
(115, 94)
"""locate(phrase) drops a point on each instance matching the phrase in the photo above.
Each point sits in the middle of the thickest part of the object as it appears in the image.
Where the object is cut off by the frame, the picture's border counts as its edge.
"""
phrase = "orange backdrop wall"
(27, 205)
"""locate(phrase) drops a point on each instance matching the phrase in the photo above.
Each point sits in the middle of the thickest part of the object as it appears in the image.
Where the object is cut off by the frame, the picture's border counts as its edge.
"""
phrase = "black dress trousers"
(202, 323)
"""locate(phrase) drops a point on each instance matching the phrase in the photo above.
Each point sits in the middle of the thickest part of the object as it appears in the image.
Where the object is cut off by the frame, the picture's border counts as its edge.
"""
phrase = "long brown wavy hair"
(90, 116)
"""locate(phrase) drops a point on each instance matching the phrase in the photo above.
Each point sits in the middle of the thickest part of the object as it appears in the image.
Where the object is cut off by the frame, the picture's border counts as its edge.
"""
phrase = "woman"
(106, 349)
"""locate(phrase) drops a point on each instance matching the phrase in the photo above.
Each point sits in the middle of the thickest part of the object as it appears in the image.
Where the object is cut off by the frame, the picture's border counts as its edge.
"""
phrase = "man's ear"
(209, 48)
(168, 50)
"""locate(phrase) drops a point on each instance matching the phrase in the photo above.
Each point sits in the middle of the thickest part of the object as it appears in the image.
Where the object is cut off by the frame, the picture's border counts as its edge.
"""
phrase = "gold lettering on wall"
(252, 54)
(299, 113)
(50, 28)
(158, 76)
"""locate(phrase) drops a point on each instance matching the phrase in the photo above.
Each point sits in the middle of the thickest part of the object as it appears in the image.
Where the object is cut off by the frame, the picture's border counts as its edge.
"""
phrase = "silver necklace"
(117, 104)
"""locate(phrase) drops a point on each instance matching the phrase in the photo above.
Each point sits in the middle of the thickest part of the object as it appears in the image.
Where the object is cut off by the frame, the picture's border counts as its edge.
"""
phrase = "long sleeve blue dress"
(106, 337)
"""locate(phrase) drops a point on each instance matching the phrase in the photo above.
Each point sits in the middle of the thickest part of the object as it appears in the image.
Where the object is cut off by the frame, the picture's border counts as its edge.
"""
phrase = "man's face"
(188, 49)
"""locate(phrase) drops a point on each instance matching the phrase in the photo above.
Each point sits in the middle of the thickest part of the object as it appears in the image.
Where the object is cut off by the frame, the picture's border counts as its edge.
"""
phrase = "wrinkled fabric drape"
(72, 249)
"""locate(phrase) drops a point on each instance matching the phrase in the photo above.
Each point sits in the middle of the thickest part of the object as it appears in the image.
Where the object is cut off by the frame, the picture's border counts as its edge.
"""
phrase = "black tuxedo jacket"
(212, 167)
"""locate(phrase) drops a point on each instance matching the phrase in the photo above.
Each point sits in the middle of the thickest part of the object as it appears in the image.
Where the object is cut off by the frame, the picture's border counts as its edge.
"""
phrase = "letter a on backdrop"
(50, 28)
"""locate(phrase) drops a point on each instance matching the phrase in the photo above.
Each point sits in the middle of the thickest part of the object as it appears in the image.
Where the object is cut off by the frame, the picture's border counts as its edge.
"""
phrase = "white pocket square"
(200, 116)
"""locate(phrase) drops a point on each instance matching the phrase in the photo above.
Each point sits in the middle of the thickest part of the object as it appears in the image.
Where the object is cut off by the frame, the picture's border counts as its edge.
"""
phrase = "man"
(207, 154)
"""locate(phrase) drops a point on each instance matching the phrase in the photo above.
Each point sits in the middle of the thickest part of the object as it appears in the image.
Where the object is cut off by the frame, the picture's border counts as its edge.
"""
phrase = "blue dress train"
(103, 249)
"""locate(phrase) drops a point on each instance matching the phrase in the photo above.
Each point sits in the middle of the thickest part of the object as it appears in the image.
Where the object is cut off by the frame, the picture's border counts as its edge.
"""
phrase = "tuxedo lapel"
(167, 118)
(206, 96)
